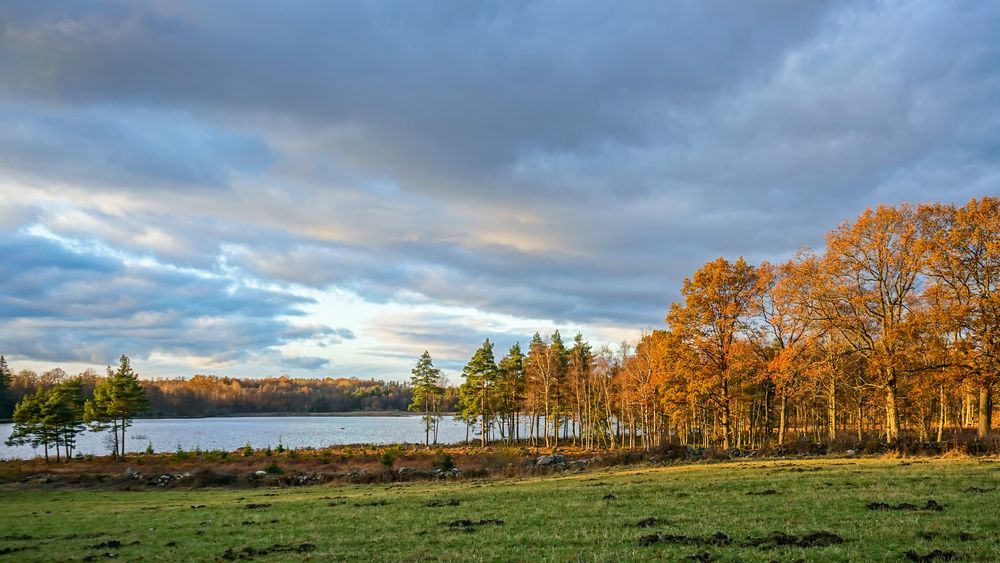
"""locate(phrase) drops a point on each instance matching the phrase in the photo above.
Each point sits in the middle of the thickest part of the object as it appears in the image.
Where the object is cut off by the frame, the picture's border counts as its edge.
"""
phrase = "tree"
(510, 388)
(50, 417)
(868, 294)
(718, 301)
(116, 403)
(480, 376)
(427, 394)
(29, 428)
(5, 379)
(962, 258)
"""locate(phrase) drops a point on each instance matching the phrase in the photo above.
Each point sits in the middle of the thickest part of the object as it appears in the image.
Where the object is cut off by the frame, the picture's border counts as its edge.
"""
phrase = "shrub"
(149, 448)
(444, 463)
(388, 457)
(248, 450)
(273, 469)
(280, 448)
(181, 455)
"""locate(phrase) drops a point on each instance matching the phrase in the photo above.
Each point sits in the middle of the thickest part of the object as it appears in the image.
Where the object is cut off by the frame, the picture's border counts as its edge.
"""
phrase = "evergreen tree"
(28, 423)
(5, 378)
(480, 377)
(510, 389)
(65, 410)
(428, 393)
(49, 417)
(116, 403)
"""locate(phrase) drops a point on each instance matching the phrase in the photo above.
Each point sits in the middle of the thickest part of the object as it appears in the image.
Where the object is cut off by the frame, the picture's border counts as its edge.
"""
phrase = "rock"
(260, 473)
(550, 460)
(851, 453)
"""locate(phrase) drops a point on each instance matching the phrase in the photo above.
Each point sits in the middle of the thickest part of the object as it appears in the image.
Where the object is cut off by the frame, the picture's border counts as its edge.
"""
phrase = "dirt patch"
(382, 502)
(258, 523)
(781, 539)
(196, 507)
(936, 555)
(717, 539)
(648, 522)
(467, 525)
(609, 496)
(764, 493)
(930, 506)
(22, 537)
(9, 550)
(258, 505)
(110, 544)
(700, 557)
(248, 553)
(438, 502)
(979, 490)
(961, 536)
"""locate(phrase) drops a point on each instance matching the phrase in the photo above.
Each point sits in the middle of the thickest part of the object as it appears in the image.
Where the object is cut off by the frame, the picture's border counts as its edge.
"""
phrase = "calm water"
(166, 435)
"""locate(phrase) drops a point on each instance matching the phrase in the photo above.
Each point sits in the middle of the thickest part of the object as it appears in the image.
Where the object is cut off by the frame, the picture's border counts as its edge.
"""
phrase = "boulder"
(550, 460)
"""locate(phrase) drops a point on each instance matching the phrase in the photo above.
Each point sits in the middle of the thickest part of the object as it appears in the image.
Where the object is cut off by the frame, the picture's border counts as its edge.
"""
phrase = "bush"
(444, 463)
(280, 448)
(248, 450)
(388, 457)
(181, 455)
(149, 448)
(273, 469)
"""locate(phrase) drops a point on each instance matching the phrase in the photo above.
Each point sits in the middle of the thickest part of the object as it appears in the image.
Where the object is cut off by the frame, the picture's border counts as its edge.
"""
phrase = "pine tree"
(480, 377)
(5, 378)
(510, 389)
(427, 394)
(29, 428)
(116, 403)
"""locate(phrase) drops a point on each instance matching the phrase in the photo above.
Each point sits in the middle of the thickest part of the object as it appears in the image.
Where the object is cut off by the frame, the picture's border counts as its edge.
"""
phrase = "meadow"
(816, 509)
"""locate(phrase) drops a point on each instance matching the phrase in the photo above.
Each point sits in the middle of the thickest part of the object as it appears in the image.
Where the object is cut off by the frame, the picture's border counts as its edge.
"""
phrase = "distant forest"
(207, 395)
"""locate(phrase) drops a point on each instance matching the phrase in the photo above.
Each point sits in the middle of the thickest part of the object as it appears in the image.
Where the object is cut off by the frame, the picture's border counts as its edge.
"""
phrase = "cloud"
(65, 305)
(567, 163)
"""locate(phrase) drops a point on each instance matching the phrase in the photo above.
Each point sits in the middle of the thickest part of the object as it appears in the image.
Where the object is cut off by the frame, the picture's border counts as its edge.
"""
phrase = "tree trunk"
(726, 423)
(941, 419)
(891, 410)
(831, 412)
(985, 411)
(782, 417)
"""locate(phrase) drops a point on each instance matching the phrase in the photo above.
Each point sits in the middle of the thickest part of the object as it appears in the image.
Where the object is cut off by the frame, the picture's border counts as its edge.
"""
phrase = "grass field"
(722, 511)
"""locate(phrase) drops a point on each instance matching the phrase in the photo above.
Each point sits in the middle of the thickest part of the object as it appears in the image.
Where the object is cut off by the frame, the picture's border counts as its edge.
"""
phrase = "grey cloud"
(61, 304)
(420, 149)
(123, 147)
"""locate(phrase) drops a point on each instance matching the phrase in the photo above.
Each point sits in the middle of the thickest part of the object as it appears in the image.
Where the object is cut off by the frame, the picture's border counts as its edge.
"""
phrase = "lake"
(168, 434)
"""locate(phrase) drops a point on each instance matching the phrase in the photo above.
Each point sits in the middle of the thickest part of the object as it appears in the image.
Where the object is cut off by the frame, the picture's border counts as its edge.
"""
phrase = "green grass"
(563, 518)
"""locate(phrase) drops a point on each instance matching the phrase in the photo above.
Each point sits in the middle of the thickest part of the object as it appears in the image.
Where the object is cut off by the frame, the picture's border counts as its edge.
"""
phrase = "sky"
(330, 188)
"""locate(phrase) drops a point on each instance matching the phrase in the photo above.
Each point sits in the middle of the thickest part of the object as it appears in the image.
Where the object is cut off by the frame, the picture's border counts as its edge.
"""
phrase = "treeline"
(205, 395)
(892, 332)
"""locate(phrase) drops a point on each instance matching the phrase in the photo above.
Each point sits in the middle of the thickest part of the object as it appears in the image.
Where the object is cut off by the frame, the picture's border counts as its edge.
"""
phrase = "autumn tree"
(427, 394)
(782, 335)
(871, 281)
(117, 400)
(718, 302)
(963, 263)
